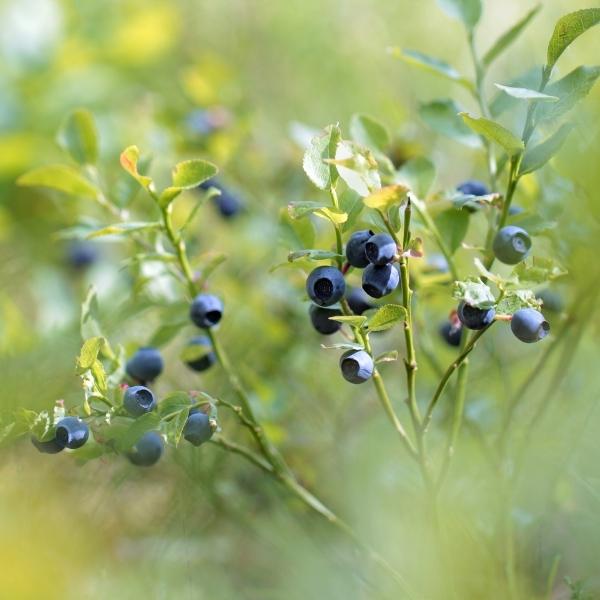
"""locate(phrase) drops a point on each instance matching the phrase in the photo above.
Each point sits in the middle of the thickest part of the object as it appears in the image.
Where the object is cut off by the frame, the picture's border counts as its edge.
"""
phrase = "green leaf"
(474, 292)
(442, 117)
(537, 156)
(572, 88)
(525, 93)
(313, 255)
(297, 210)
(191, 173)
(507, 38)
(166, 332)
(322, 147)
(533, 224)
(386, 197)
(502, 102)
(90, 315)
(538, 270)
(495, 132)
(173, 428)
(125, 434)
(99, 375)
(351, 203)
(467, 11)
(89, 352)
(352, 320)
(367, 131)
(568, 29)
(295, 232)
(342, 346)
(357, 166)
(78, 136)
(513, 300)
(452, 225)
(386, 317)
(431, 65)
(59, 177)
(125, 228)
(42, 427)
(130, 158)
(418, 174)
(390, 356)
(335, 216)
(173, 403)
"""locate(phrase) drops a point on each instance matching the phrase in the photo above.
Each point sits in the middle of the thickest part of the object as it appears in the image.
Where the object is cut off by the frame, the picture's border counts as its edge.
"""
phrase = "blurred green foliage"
(202, 522)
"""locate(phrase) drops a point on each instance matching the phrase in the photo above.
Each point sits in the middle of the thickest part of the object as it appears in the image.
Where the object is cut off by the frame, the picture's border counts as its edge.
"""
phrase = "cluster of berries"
(144, 367)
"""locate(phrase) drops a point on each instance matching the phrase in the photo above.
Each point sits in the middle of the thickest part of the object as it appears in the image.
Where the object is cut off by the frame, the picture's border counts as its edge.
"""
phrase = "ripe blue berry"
(473, 187)
(355, 248)
(356, 365)
(72, 432)
(515, 209)
(227, 203)
(145, 365)
(475, 318)
(148, 450)
(206, 310)
(529, 325)
(319, 317)
(48, 447)
(380, 280)
(138, 400)
(197, 429)
(511, 245)
(359, 301)
(325, 285)
(451, 333)
(381, 249)
(206, 357)
(82, 254)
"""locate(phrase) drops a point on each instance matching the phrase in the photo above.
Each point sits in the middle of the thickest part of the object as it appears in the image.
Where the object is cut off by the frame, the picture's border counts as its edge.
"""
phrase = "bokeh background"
(204, 524)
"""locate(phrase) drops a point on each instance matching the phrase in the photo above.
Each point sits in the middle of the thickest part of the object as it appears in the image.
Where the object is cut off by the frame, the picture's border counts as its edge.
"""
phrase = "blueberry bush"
(263, 396)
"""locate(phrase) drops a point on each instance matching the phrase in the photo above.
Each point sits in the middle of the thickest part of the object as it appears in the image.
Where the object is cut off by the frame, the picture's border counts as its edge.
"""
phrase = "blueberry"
(72, 432)
(475, 318)
(511, 245)
(319, 317)
(206, 357)
(359, 301)
(529, 325)
(551, 300)
(473, 187)
(82, 254)
(48, 447)
(355, 248)
(197, 429)
(451, 333)
(148, 450)
(381, 249)
(138, 400)
(514, 209)
(437, 262)
(325, 285)
(227, 203)
(379, 281)
(145, 365)
(356, 365)
(206, 310)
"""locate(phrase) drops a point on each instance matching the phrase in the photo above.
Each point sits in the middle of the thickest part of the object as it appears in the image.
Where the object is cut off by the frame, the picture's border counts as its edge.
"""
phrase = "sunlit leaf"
(322, 147)
(496, 133)
(386, 197)
(79, 137)
(525, 93)
(386, 317)
(59, 177)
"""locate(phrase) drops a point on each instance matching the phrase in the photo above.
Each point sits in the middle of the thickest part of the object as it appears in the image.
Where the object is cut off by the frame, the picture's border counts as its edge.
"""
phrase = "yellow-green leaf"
(495, 132)
(129, 161)
(387, 196)
(59, 177)
(79, 137)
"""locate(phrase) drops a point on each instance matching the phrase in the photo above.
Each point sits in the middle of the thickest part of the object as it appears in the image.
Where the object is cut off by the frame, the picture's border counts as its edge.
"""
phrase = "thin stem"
(448, 373)
(248, 454)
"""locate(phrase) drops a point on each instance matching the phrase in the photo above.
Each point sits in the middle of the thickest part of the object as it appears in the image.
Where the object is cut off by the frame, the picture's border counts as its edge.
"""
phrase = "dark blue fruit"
(72, 432)
(511, 245)
(148, 450)
(452, 333)
(356, 365)
(355, 248)
(138, 400)
(82, 254)
(319, 317)
(48, 447)
(475, 318)
(145, 365)
(379, 281)
(197, 429)
(473, 187)
(325, 285)
(381, 249)
(359, 301)
(206, 310)
(227, 203)
(205, 358)
(529, 325)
